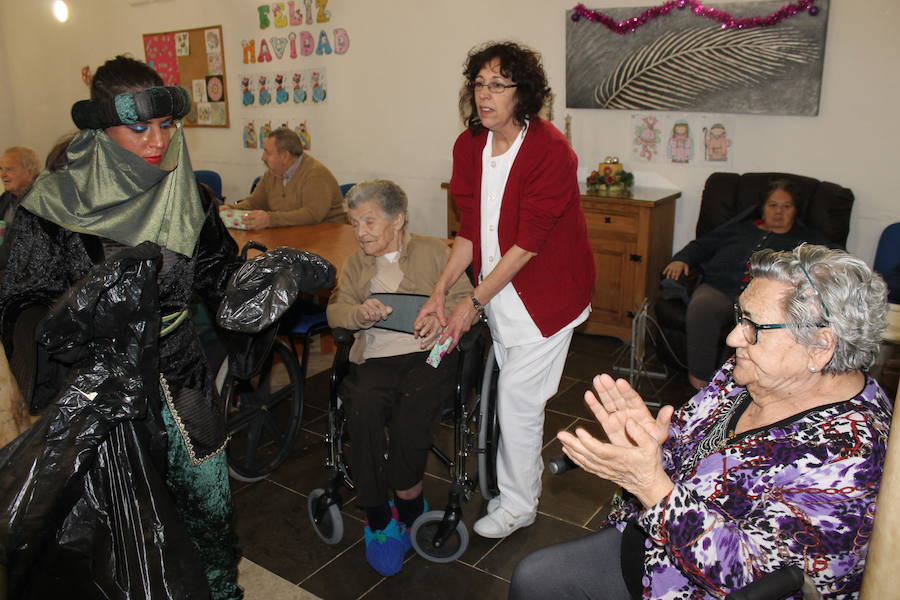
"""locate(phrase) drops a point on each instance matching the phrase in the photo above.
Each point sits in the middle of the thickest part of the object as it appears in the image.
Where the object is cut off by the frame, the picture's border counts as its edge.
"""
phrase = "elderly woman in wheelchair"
(389, 383)
(776, 462)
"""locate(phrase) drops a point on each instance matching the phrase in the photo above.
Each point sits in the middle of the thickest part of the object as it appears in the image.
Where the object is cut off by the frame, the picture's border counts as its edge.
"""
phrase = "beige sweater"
(311, 196)
(422, 260)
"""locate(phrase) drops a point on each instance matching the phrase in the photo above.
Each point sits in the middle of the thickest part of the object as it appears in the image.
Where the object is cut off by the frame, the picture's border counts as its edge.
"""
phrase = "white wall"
(391, 110)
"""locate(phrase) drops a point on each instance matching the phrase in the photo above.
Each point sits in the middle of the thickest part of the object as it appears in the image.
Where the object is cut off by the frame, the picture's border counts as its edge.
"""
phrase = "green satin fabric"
(110, 192)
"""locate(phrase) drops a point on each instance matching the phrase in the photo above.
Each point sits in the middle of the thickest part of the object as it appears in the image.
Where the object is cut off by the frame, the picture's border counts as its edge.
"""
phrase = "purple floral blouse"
(801, 491)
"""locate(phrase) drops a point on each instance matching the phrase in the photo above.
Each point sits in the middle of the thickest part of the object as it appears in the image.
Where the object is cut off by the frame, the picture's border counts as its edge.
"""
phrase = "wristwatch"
(479, 307)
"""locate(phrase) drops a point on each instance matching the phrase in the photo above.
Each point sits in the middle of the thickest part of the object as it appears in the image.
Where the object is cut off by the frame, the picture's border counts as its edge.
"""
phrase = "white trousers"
(529, 376)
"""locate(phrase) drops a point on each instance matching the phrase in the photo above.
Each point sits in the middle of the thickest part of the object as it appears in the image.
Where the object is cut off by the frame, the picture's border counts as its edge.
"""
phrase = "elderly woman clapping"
(777, 461)
(389, 384)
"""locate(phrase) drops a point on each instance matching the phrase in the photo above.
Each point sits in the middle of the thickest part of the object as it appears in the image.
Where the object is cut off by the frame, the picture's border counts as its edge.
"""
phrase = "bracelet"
(479, 307)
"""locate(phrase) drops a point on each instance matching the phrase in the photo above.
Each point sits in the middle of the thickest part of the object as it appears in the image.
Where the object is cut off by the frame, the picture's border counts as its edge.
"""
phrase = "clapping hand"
(633, 456)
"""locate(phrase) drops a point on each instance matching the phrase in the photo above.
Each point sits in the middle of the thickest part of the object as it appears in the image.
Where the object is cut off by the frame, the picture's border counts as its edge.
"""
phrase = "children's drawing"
(182, 43)
(299, 88)
(198, 90)
(265, 129)
(305, 138)
(247, 95)
(250, 135)
(716, 143)
(265, 97)
(646, 138)
(318, 86)
(281, 94)
(213, 41)
(681, 147)
(215, 90)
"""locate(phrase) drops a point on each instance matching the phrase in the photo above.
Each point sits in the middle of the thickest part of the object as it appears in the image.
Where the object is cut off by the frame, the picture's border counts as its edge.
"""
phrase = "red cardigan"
(541, 213)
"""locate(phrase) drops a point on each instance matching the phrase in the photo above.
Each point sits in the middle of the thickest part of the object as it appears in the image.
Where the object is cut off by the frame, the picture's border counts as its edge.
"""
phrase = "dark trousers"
(403, 394)
(589, 567)
(709, 313)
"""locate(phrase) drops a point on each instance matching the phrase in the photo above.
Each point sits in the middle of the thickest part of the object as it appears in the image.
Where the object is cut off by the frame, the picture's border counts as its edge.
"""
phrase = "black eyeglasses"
(495, 87)
(751, 329)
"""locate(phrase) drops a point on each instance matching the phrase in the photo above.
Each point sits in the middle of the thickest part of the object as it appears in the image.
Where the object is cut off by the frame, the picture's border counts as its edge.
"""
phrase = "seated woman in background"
(724, 255)
(389, 383)
(777, 462)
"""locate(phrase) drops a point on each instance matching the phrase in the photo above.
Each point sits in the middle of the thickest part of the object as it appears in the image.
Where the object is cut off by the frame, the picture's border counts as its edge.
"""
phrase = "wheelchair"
(264, 412)
(438, 535)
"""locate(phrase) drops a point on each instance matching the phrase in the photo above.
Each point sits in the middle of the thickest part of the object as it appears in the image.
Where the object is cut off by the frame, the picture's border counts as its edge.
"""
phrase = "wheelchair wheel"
(325, 517)
(424, 531)
(488, 429)
(263, 414)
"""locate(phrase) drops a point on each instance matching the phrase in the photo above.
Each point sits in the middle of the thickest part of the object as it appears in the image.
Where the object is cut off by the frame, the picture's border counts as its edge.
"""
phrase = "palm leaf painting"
(679, 67)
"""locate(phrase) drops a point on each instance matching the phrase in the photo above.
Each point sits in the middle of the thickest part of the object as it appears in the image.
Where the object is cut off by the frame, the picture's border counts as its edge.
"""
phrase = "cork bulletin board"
(193, 59)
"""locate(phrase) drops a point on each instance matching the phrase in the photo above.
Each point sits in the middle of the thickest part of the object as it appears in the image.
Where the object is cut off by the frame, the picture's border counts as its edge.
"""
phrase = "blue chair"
(213, 180)
(345, 187)
(888, 253)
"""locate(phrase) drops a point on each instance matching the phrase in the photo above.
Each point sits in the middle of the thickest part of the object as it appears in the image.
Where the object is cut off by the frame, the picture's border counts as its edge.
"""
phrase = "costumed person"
(123, 219)
(523, 232)
(724, 255)
(390, 384)
(777, 462)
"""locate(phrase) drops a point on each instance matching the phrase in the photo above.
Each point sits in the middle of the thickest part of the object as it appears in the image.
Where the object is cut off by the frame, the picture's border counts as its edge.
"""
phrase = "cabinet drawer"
(620, 222)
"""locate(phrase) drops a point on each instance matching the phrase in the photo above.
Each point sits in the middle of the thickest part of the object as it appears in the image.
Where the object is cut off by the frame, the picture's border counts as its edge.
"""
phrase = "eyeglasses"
(495, 87)
(751, 329)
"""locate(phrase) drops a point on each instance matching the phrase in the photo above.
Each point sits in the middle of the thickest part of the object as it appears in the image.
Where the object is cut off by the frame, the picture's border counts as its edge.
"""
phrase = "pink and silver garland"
(727, 20)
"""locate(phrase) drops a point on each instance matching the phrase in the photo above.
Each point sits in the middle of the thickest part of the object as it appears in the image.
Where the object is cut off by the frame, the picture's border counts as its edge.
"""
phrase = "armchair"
(822, 205)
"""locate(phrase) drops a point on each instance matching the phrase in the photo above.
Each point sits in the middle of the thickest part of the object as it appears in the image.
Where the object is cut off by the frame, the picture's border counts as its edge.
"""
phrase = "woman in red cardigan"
(523, 232)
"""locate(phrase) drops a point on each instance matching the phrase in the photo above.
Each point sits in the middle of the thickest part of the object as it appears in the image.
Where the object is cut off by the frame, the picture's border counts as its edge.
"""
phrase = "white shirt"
(509, 321)
(508, 318)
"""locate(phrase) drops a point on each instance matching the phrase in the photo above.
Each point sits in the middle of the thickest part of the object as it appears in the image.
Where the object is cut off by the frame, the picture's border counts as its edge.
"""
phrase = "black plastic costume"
(121, 490)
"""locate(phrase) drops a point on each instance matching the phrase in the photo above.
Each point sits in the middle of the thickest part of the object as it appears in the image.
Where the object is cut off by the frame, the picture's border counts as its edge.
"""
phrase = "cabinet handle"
(607, 219)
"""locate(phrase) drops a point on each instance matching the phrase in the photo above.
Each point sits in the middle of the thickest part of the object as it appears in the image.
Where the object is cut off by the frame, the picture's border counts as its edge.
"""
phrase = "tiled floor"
(276, 534)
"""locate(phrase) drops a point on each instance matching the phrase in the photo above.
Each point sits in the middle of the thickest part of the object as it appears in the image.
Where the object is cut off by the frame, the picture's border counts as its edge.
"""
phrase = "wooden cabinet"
(631, 238)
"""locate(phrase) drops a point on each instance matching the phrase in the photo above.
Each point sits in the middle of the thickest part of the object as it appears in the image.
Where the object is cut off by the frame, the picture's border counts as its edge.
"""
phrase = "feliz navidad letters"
(293, 44)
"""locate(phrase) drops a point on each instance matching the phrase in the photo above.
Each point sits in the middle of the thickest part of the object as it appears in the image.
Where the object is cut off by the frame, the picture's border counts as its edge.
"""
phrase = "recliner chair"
(822, 205)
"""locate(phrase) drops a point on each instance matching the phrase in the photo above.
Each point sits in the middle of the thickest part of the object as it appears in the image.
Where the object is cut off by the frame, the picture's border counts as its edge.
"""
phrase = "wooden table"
(334, 242)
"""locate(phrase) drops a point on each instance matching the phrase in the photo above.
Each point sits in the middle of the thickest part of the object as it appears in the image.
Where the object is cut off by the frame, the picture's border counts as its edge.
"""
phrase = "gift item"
(233, 218)
(610, 176)
(438, 352)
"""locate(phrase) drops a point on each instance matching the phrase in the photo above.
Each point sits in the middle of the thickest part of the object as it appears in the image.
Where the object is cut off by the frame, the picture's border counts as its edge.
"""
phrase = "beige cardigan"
(311, 196)
(422, 260)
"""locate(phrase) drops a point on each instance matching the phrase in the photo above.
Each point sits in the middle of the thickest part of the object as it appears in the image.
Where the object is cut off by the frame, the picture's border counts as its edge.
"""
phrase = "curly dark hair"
(519, 64)
(122, 74)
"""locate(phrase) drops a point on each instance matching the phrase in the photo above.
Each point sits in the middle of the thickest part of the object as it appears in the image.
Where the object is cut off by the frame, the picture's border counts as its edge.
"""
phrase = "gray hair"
(27, 157)
(389, 197)
(841, 291)
(287, 140)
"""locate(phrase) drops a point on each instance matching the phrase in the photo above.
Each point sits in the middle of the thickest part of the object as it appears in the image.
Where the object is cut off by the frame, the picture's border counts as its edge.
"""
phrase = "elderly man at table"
(296, 189)
(19, 166)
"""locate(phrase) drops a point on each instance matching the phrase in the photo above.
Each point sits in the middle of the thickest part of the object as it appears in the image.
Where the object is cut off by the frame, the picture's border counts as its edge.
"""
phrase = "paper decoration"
(248, 135)
(299, 94)
(204, 113)
(213, 41)
(160, 52)
(281, 94)
(319, 85)
(646, 138)
(217, 113)
(214, 64)
(683, 139)
(248, 90)
(263, 93)
(215, 89)
(198, 90)
(182, 43)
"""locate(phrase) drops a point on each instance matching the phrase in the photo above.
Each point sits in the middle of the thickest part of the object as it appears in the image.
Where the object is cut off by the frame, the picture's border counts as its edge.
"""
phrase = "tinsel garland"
(727, 20)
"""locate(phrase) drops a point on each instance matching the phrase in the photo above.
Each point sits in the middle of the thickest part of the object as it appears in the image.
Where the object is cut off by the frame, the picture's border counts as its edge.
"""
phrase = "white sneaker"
(500, 523)
(493, 504)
